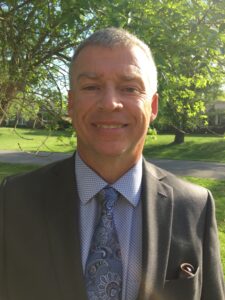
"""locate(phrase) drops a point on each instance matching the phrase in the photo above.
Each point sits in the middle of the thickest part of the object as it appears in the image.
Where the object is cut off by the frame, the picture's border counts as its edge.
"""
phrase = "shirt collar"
(90, 183)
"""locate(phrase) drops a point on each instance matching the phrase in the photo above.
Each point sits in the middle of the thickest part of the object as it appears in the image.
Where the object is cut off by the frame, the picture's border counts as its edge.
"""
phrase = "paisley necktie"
(103, 272)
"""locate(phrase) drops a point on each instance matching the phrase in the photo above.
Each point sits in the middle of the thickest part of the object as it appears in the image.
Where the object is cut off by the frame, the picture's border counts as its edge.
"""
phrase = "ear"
(154, 106)
(70, 103)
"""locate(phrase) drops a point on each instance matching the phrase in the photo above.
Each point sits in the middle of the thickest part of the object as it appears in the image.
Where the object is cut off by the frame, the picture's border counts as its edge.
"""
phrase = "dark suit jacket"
(40, 247)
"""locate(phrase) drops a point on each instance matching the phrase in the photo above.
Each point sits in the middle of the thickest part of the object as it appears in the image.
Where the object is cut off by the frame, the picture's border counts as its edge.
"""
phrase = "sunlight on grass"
(36, 140)
(202, 148)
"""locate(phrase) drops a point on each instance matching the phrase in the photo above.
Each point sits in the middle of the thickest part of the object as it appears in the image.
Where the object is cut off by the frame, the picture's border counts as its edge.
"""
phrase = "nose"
(110, 99)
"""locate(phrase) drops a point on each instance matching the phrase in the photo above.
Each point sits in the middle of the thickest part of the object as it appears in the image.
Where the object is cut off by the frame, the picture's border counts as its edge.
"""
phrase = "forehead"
(119, 60)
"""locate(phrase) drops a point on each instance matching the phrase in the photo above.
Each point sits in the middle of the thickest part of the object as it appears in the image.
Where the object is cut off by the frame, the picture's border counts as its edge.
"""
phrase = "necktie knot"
(110, 196)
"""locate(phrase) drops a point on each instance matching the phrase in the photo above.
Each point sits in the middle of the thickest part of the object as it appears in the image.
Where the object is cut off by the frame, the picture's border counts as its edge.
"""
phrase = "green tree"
(187, 39)
(35, 37)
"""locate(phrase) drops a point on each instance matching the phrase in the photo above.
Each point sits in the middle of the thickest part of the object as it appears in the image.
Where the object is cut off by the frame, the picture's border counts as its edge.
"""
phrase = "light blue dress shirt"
(127, 216)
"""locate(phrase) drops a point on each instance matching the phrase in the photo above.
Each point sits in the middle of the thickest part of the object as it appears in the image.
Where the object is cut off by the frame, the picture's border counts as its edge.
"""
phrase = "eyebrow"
(88, 75)
(92, 75)
(130, 77)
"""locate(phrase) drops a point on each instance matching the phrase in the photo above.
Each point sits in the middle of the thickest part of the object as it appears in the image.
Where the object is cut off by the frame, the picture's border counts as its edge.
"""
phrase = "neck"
(110, 169)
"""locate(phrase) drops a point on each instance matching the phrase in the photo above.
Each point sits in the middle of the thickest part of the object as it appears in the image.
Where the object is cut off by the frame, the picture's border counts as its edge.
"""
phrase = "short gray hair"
(112, 37)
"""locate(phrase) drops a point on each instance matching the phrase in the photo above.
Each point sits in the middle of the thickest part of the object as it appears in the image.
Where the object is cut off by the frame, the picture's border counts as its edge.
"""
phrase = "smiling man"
(111, 104)
(106, 224)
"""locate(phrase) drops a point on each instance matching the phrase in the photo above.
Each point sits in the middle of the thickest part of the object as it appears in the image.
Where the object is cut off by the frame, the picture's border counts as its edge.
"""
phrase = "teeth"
(109, 126)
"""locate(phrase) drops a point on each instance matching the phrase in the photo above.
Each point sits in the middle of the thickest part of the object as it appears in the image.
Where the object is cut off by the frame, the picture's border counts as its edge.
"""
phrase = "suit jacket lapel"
(157, 203)
(62, 211)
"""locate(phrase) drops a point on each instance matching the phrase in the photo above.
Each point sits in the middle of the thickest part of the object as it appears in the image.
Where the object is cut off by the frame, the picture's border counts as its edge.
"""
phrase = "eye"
(130, 90)
(91, 87)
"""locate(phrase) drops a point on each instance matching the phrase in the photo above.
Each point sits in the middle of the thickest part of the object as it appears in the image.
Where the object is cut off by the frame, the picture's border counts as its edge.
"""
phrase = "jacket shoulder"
(37, 179)
(182, 188)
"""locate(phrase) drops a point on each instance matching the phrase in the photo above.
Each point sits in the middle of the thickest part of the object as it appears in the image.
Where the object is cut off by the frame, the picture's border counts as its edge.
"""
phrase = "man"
(157, 238)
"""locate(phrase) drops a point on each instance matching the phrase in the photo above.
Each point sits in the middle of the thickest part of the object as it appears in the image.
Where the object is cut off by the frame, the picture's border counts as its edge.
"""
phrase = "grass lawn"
(36, 140)
(217, 187)
(196, 147)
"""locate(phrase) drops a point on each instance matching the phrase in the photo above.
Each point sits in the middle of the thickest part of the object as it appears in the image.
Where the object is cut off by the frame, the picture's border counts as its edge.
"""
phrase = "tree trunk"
(179, 137)
(2, 117)
(3, 110)
(8, 97)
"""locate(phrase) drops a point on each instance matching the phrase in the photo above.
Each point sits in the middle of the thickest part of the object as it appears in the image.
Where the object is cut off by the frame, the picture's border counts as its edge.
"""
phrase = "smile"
(109, 126)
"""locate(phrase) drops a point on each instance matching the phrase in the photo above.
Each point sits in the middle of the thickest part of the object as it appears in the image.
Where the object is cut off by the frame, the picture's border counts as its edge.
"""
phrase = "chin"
(111, 152)
(114, 153)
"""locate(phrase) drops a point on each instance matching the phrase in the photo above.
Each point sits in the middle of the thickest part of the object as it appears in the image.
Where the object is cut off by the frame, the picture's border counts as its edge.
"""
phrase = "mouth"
(110, 126)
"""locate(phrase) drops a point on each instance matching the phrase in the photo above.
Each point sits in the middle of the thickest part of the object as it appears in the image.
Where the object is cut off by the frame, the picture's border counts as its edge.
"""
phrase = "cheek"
(81, 114)
(148, 108)
(75, 116)
(145, 111)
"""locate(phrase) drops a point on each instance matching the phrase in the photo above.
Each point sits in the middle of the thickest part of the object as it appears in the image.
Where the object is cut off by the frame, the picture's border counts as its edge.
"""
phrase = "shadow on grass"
(42, 132)
(188, 151)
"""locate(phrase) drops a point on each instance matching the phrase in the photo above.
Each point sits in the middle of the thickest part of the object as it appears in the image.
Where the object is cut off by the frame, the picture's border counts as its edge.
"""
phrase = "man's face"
(110, 103)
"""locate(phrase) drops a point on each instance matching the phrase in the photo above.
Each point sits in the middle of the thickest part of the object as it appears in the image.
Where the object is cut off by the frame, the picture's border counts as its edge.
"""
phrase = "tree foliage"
(35, 37)
(187, 39)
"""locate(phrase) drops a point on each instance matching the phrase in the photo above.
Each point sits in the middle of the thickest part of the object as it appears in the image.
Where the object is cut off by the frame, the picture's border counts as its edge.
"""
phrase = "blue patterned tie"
(103, 272)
